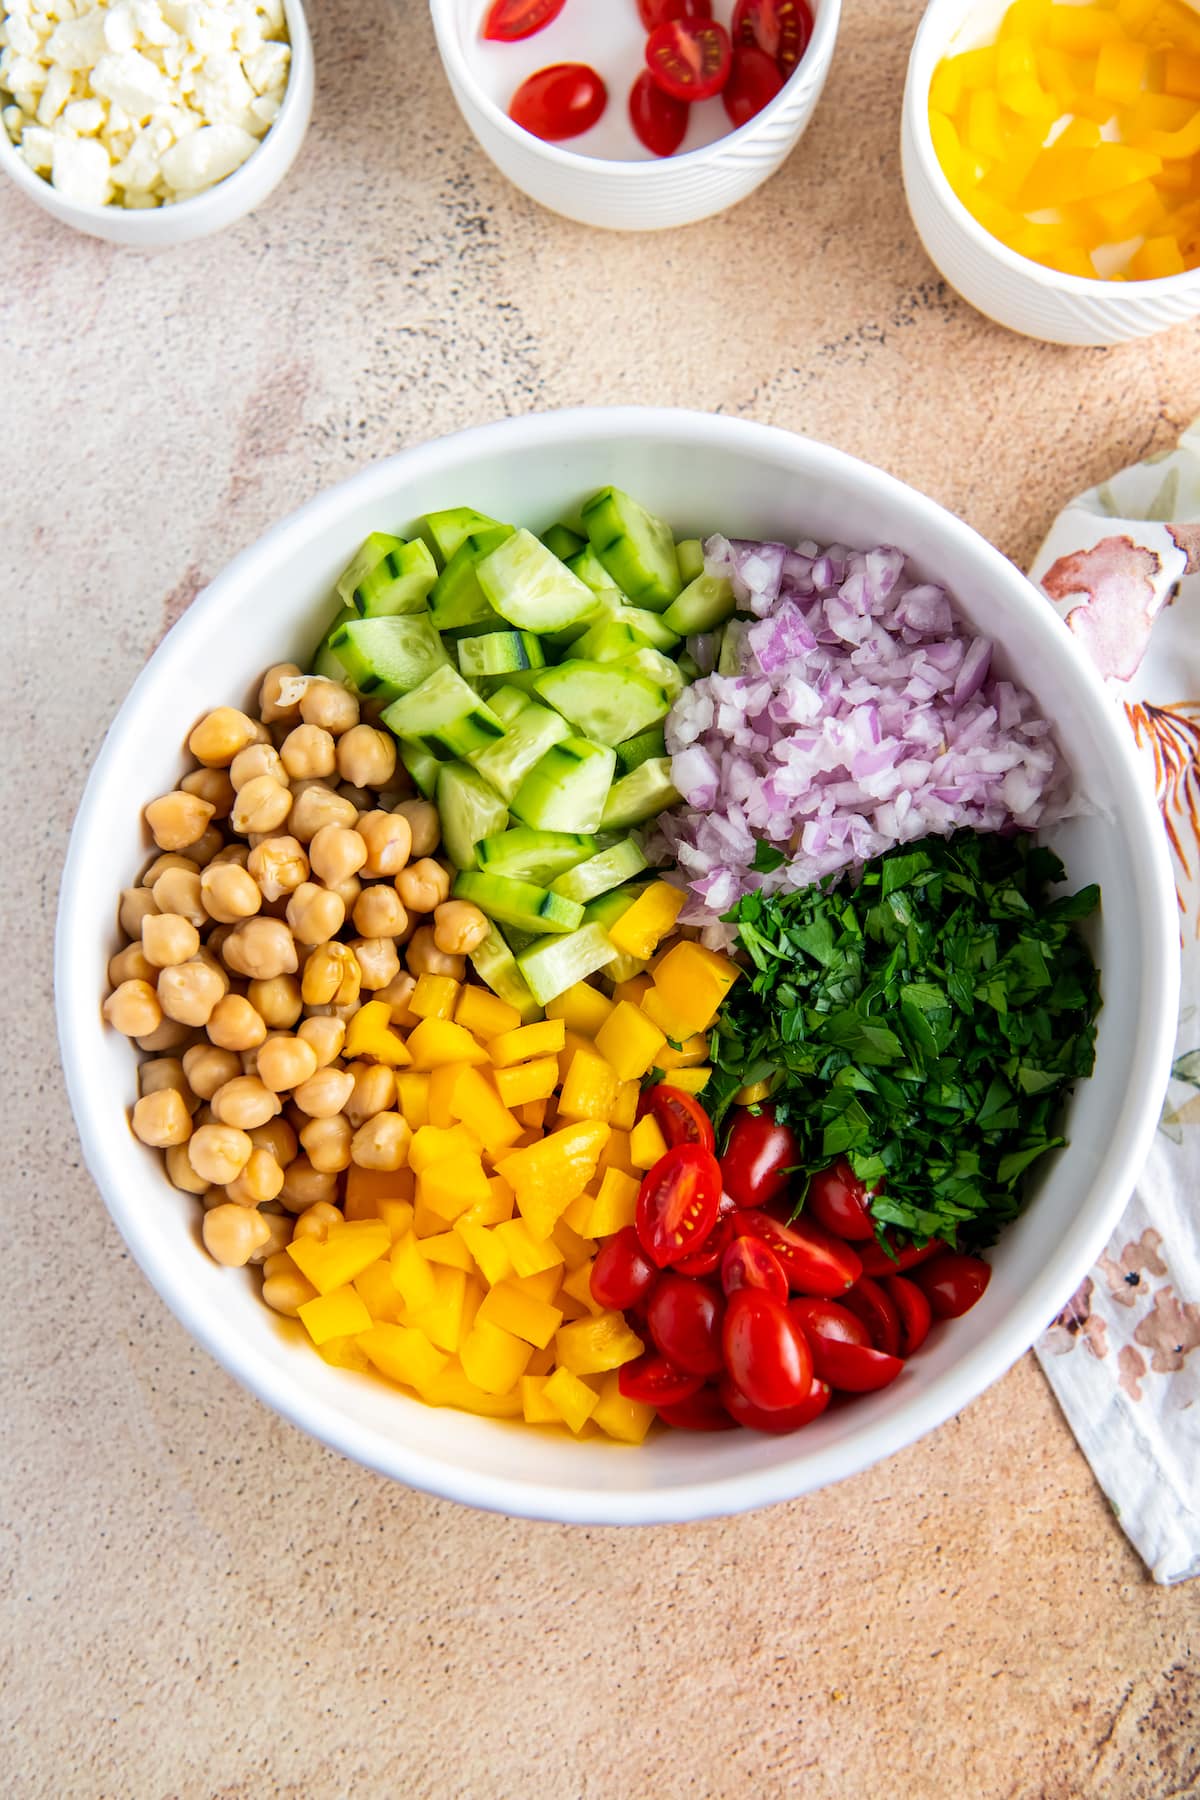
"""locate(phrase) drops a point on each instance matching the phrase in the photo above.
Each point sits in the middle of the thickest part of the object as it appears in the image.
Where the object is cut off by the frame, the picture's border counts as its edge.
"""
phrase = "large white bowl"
(631, 195)
(703, 473)
(162, 227)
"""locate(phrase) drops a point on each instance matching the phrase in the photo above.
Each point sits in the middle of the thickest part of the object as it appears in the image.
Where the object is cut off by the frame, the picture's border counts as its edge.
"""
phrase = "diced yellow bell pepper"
(448, 1248)
(453, 1388)
(1129, 212)
(433, 1144)
(1024, 18)
(397, 1215)
(629, 1041)
(475, 1102)
(536, 1410)
(1155, 112)
(427, 1223)
(437, 1041)
(484, 1013)
(520, 1313)
(543, 1286)
(572, 1399)
(340, 1313)
(640, 927)
(592, 1346)
(982, 132)
(543, 1039)
(1017, 81)
(615, 1154)
(412, 1274)
(572, 1045)
(632, 991)
(976, 68)
(493, 1359)
(486, 1249)
(646, 1143)
(523, 1082)
(691, 1081)
(369, 1033)
(590, 1088)
(348, 1249)
(541, 1362)
(615, 1205)
(528, 1254)
(547, 1176)
(1157, 257)
(344, 1353)
(1170, 146)
(379, 1294)
(453, 1184)
(576, 1217)
(442, 1321)
(578, 1286)
(532, 1113)
(1120, 70)
(755, 1092)
(689, 986)
(1177, 178)
(1081, 30)
(413, 1092)
(403, 1354)
(442, 1082)
(365, 1188)
(624, 1113)
(946, 87)
(693, 1050)
(435, 997)
(626, 1420)
(581, 1008)
(576, 1248)
(499, 1206)
(1181, 74)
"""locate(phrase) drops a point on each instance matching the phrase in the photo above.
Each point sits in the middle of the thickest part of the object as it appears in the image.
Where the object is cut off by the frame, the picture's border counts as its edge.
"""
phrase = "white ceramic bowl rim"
(825, 24)
(535, 1497)
(214, 200)
(928, 48)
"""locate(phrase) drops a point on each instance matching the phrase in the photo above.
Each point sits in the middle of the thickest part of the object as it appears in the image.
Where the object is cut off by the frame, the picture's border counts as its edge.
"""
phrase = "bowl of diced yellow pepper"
(1051, 159)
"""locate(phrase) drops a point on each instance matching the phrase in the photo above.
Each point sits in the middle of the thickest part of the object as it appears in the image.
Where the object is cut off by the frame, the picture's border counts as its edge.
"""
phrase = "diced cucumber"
(527, 585)
(445, 532)
(608, 641)
(457, 598)
(495, 965)
(640, 795)
(326, 662)
(624, 967)
(608, 907)
(445, 715)
(388, 576)
(553, 964)
(519, 903)
(506, 702)
(689, 554)
(518, 940)
(528, 734)
(650, 626)
(421, 764)
(687, 665)
(652, 665)
(500, 653)
(528, 855)
(704, 603)
(637, 549)
(524, 679)
(729, 657)
(591, 571)
(389, 657)
(602, 872)
(637, 750)
(607, 701)
(470, 809)
(567, 789)
(563, 541)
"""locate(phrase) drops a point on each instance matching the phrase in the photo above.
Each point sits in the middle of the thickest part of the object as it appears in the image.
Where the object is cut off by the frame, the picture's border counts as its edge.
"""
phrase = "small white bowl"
(632, 195)
(161, 227)
(703, 473)
(1014, 291)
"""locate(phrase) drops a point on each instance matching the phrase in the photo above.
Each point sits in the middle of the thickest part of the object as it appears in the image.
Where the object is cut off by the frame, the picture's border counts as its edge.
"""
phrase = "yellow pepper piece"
(634, 990)
(578, 1286)
(533, 1113)
(378, 1293)
(528, 1254)
(946, 86)
(646, 1143)
(581, 1008)
(615, 1205)
(1181, 74)
(543, 1039)
(340, 1313)
(690, 1081)
(543, 1286)
(576, 1216)
(576, 1248)
(615, 1154)
(497, 1208)
(520, 1313)
(435, 997)
(493, 1359)
(755, 1092)
(343, 1353)
(413, 1092)
(1157, 257)
(437, 1041)
(523, 1082)
(1175, 23)
(628, 1040)
(484, 1013)
(1170, 146)
(638, 930)
(469, 1098)
(1017, 81)
(693, 1050)
(1080, 134)
(365, 1188)
(412, 1274)
(397, 1215)
(982, 132)
(433, 1144)
(1121, 70)
(1081, 29)
(689, 986)
(547, 1176)
(627, 1421)
(426, 1222)
(624, 1112)
(976, 68)
(486, 1249)
(442, 1321)
(593, 1346)
(453, 1388)
(403, 1354)
(448, 1248)
(452, 1185)
(346, 1252)
(370, 1033)
(1129, 212)
(573, 1400)
(535, 1409)
(589, 1090)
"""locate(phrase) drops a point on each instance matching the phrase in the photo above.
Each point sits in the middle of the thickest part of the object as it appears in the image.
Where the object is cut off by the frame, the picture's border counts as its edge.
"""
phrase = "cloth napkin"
(1122, 566)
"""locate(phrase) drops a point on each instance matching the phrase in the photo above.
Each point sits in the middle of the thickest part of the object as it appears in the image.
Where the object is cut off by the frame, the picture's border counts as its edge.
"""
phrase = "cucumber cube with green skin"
(506, 702)
(528, 734)
(567, 789)
(445, 532)
(607, 908)
(648, 625)
(729, 656)
(469, 809)
(445, 715)
(703, 604)
(539, 856)
(553, 964)
(606, 701)
(518, 940)
(496, 966)
(640, 795)
(500, 653)
(637, 750)
(519, 903)
(609, 641)
(652, 665)
(326, 663)
(689, 554)
(688, 667)
(389, 657)
(421, 764)
(528, 585)
(388, 576)
(592, 572)
(564, 542)
(637, 549)
(457, 598)
(608, 869)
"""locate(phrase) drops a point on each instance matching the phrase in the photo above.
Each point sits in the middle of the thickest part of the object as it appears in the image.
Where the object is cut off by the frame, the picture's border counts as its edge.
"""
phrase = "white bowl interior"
(703, 473)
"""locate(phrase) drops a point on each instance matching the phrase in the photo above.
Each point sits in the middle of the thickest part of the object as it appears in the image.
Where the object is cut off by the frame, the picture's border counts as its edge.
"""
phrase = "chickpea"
(209, 844)
(161, 864)
(168, 1036)
(260, 1180)
(163, 1073)
(245, 1102)
(136, 904)
(208, 1068)
(180, 1172)
(278, 865)
(280, 1227)
(131, 964)
(336, 853)
(324, 1093)
(261, 806)
(238, 854)
(278, 1000)
(459, 927)
(232, 1234)
(327, 1144)
(253, 761)
(331, 975)
(361, 799)
(373, 1092)
(236, 1025)
(317, 807)
(378, 960)
(278, 1137)
(366, 756)
(162, 1118)
(229, 893)
(308, 753)
(285, 1062)
(261, 948)
(168, 938)
(216, 740)
(324, 1038)
(424, 824)
(314, 914)
(378, 912)
(329, 705)
(213, 785)
(179, 891)
(382, 1143)
(315, 1221)
(388, 837)
(424, 958)
(178, 819)
(133, 1009)
(284, 1288)
(189, 991)
(423, 886)
(280, 694)
(219, 1153)
(398, 993)
(303, 1186)
(347, 892)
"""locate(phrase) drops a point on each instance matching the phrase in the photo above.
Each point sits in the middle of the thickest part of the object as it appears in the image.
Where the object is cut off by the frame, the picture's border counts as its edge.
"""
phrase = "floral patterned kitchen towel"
(1122, 567)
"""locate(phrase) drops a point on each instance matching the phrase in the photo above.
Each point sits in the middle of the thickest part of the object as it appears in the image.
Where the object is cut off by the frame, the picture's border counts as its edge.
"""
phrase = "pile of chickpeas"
(295, 879)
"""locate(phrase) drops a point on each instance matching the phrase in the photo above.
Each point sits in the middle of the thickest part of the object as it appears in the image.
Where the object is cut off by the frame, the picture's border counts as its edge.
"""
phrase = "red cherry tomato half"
(684, 1319)
(622, 1273)
(659, 12)
(659, 121)
(701, 1411)
(853, 1368)
(871, 1303)
(677, 1203)
(876, 1261)
(753, 80)
(781, 28)
(559, 102)
(749, 1263)
(689, 58)
(826, 1319)
(837, 1200)
(758, 1157)
(791, 1418)
(952, 1283)
(766, 1353)
(509, 20)
(707, 1259)
(813, 1262)
(652, 1380)
(680, 1117)
(914, 1312)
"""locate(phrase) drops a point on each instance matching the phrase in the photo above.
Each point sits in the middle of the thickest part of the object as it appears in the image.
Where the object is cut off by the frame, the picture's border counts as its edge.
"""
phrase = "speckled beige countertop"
(197, 1600)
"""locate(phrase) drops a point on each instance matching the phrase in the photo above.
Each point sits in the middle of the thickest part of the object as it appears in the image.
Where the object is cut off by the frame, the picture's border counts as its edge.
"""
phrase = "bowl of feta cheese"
(152, 122)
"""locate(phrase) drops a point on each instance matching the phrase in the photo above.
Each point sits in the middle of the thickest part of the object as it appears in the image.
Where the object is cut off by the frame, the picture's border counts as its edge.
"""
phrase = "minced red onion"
(864, 714)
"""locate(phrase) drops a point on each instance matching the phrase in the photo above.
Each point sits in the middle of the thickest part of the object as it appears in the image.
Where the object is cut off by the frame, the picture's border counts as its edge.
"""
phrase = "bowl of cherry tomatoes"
(637, 115)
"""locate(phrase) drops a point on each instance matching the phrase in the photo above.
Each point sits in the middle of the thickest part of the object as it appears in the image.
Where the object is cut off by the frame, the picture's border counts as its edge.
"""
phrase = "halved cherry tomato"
(791, 1418)
(689, 58)
(876, 1261)
(684, 1318)
(871, 1303)
(780, 27)
(813, 1262)
(758, 1157)
(659, 121)
(680, 1116)
(753, 80)
(509, 20)
(701, 1411)
(658, 12)
(622, 1273)
(559, 102)
(766, 1353)
(707, 1259)
(853, 1368)
(952, 1283)
(677, 1203)
(828, 1319)
(838, 1201)
(914, 1312)
(652, 1380)
(749, 1263)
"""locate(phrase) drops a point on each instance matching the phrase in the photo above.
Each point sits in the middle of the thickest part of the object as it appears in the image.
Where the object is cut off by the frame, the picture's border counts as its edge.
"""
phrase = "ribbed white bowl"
(1012, 290)
(635, 196)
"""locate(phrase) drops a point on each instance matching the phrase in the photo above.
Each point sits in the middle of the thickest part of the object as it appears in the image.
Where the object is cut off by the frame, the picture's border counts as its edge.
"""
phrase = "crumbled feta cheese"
(206, 156)
(82, 170)
(120, 29)
(55, 95)
(37, 147)
(84, 116)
